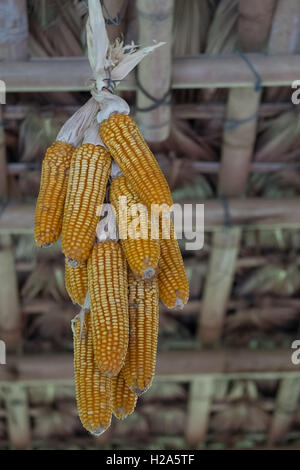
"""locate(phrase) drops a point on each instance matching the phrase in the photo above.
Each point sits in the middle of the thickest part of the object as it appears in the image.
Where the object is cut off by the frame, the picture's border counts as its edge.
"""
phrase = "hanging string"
(258, 83)
(119, 16)
(233, 124)
(165, 99)
(227, 215)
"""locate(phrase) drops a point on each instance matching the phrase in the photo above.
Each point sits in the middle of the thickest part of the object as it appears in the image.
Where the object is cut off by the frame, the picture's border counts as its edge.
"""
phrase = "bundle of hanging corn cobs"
(117, 282)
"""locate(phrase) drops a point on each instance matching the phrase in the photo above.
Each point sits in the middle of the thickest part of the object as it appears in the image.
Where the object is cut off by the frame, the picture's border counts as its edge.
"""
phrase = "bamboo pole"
(199, 406)
(154, 72)
(203, 71)
(14, 30)
(182, 111)
(15, 169)
(225, 246)
(238, 144)
(10, 311)
(285, 38)
(269, 305)
(285, 33)
(13, 47)
(287, 402)
(254, 24)
(248, 214)
(17, 415)
(3, 163)
(176, 366)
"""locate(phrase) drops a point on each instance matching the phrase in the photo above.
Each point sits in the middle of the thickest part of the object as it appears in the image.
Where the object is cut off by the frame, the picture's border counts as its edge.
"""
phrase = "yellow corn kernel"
(142, 254)
(107, 284)
(121, 136)
(124, 400)
(93, 389)
(140, 361)
(172, 280)
(51, 198)
(89, 173)
(76, 281)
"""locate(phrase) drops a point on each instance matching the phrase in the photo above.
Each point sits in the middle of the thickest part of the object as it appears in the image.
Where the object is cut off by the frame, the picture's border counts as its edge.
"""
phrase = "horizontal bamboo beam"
(202, 71)
(198, 167)
(218, 111)
(249, 213)
(38, 306)
(182, 111)
(172, 365)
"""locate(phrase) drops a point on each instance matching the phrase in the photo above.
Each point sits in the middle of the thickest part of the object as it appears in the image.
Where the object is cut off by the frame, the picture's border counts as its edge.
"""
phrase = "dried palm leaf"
(135, 426)
(278, 137)
(170, 419)
(46, 279)
(37, 133)
(264, 319)
(271, 279)
(190, 26)
(222, 34)
(25, 248)
(57, 27)
(245, 417)
(51, 423)
(53, 326)
(50, 394)
(166, 393)
(222, 38)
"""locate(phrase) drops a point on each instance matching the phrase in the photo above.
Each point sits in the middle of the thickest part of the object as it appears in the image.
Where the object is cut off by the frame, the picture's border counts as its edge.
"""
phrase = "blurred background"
(215, 106)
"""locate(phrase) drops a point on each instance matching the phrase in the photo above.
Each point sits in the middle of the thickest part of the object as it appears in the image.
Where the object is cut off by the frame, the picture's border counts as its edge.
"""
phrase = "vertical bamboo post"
(14, 30)
(287, 402)
(154, 73)
(221, 267)
(199, 403)
(285, 33)
(3, 165)
(285, 38)
(238, 144)
(10, 311)
(13, 46)
(256, 18)
(17, 412)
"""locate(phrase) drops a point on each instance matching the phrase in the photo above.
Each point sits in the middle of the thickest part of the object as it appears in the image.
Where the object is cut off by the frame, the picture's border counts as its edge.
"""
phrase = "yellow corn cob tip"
(93, 389)
(76, 282)
(172, 279)
(124, 400)
(140, 361)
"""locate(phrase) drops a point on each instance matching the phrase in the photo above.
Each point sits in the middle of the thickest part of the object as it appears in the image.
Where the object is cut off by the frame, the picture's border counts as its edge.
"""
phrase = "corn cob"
(107, 284)
(123, 139)
(142, 252)
(89, 173)
(172, 281)
(140, 361)
(53, 188)
(124, 400)
(93, 389)
(76, 281)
